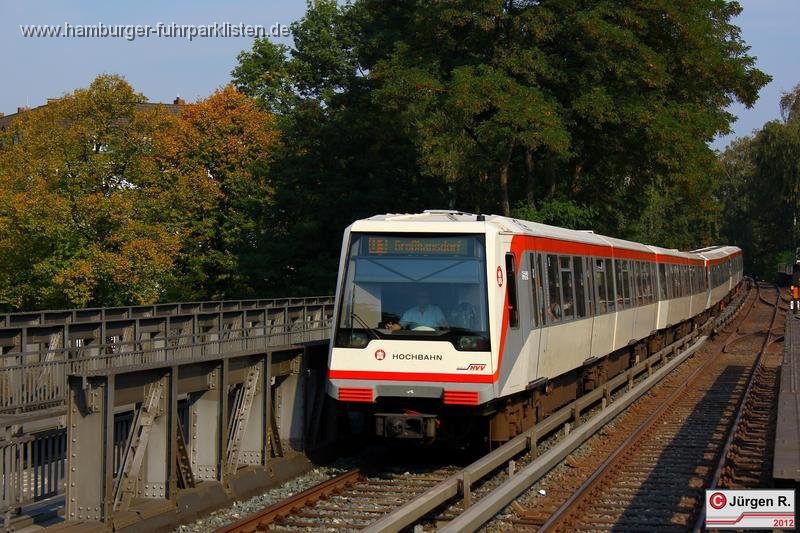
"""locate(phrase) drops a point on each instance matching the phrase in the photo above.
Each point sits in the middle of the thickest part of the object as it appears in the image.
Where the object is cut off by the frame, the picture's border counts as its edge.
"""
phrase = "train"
(455, 327)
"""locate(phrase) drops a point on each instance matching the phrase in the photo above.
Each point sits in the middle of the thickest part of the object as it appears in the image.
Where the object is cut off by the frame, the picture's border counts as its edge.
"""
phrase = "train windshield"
(415, 287)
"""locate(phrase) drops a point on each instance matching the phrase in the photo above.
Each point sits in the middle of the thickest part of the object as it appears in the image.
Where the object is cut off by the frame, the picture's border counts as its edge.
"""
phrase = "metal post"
(90, 423)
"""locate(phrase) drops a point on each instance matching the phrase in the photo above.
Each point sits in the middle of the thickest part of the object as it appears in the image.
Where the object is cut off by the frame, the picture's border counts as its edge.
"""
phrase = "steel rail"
(619, 454)
(258, 521)
(490, 505)
(700, 524)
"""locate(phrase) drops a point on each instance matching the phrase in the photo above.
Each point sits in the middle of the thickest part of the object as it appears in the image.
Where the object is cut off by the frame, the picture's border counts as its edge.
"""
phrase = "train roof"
(714, 254)
(443, 220)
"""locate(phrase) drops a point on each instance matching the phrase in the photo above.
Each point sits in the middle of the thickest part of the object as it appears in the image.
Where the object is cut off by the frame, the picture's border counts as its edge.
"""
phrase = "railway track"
(656, 477)
(350, 501)
(392, 501)
(749, 461)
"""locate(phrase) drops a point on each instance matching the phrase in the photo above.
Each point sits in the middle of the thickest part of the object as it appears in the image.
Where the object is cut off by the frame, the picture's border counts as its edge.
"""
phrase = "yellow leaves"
(76, 282)
(103, 202)
(228, 131)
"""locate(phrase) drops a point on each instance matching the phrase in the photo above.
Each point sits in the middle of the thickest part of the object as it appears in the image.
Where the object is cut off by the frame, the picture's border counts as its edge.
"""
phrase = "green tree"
(342, 156)
(106, 201)
(84, 217)
(584, 101)
(760, 189)
(231, 141)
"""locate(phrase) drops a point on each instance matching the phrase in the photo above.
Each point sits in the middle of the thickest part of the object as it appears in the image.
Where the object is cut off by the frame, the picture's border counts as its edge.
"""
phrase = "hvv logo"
(472, 367)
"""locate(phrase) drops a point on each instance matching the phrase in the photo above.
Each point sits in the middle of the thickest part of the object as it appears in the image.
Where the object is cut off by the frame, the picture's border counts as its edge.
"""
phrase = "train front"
(411, 353)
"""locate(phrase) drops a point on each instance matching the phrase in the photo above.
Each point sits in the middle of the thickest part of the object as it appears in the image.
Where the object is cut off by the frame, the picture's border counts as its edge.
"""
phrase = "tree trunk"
(505, 203)
(575, 188)
(529, 177)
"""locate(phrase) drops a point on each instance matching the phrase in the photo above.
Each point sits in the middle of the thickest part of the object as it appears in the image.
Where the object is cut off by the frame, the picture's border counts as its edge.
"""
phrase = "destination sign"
(384, 245)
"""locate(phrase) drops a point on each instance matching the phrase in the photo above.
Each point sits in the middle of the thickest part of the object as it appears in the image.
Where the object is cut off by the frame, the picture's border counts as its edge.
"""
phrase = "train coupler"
(405, 426)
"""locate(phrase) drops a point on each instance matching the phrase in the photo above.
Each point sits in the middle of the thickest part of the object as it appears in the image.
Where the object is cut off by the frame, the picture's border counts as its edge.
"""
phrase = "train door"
(517, 366)
(537, 315)
(604, 323)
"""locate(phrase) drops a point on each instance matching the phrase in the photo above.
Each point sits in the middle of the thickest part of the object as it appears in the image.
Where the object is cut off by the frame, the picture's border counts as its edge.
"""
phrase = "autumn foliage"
(105, 201)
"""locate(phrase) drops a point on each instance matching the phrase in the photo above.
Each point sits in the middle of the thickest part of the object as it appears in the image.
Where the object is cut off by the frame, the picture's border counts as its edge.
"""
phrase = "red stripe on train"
(409, 376)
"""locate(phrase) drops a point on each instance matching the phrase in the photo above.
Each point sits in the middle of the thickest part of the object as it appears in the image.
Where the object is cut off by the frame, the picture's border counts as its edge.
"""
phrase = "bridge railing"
(36, 379)
(98, 314)
(33, 469)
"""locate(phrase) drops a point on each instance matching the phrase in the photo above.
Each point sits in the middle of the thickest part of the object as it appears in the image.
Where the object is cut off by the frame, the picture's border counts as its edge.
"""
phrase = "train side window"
(591, 303)
(623, 275)
(643, 272)
(638, 276)
(653, 283)
(675, 281)
(626, 283)
(580, 288)
(602, 285)
(687, 289)
(567, 288)
(662, 281)
(511, 287)
(612, 303)
(553, 290)
(698, 276)
(536, 289)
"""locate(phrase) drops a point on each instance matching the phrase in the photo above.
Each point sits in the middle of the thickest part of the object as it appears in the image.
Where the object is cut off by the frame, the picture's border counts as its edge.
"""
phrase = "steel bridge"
(128, 414)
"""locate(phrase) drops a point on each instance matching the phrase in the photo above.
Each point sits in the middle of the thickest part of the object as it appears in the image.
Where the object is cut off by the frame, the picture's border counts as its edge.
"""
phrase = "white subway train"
(450, 325)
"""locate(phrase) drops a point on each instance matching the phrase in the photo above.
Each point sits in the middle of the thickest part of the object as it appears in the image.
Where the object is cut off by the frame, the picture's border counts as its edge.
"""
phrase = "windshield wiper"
(363, 324)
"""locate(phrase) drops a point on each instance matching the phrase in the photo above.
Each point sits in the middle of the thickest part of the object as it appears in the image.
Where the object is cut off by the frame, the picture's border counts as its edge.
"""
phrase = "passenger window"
(580, 288)
(536, 289)
(623, 283)
(567, 288)
(643, 267)
(653, 282)
(600, 281)
(686, 289)
(612, 304)
(662, 280)
(591, 303)
(553, 290)
(626, 283)
(638, 297)
(511, 287)
(676, 281)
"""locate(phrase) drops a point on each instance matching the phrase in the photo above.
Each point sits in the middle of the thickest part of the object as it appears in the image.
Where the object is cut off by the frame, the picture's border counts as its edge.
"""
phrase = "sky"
(35, 69)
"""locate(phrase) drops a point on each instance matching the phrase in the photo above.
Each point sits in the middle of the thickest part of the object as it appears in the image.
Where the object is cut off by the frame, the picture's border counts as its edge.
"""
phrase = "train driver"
(422, 315)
